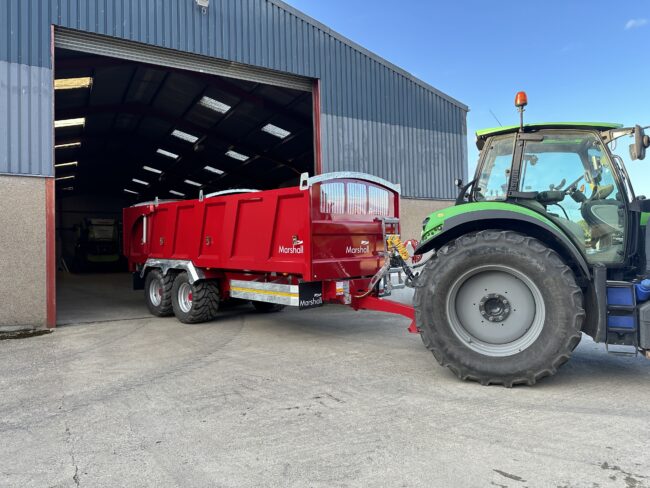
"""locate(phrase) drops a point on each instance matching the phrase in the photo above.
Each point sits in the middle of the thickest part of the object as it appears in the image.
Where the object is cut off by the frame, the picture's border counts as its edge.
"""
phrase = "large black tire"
(194, 302)
(158, 292)
(472, 325)
(264, 307)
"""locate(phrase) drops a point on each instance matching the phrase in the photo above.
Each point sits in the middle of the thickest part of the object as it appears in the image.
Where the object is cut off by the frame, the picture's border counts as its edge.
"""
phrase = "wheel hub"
(495, 310)
(494, 307)
(156, 292)
(185, 297)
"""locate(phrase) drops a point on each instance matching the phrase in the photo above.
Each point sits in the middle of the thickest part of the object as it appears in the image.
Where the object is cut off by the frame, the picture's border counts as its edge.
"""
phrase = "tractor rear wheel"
(194, 302)
(158, 292)
(499, 307)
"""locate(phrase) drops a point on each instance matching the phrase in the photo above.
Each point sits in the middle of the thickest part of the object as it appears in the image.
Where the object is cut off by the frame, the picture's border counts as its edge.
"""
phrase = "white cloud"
(634, 23)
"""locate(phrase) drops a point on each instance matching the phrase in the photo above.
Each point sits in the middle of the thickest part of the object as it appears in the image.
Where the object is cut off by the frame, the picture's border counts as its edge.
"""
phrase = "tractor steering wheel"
(572, 186)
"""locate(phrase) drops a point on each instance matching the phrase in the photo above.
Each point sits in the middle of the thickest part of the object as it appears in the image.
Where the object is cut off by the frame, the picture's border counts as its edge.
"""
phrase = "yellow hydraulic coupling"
(394, 242)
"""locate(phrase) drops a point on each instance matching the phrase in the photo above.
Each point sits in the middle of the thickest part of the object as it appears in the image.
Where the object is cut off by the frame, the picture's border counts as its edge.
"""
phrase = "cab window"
(495, 175)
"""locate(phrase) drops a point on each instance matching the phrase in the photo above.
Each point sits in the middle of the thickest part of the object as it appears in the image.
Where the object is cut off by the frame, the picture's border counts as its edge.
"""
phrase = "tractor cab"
(567, 174)
(546, 243)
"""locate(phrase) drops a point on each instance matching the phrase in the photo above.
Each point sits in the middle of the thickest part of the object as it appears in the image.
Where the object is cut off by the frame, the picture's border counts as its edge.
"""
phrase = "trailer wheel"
(194, 302)
(265, 307)
(158, 293)
(499, 307)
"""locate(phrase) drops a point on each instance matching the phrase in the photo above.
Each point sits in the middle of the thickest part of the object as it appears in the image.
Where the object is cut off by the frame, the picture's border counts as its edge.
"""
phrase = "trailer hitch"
(398, 256)
(394, 259)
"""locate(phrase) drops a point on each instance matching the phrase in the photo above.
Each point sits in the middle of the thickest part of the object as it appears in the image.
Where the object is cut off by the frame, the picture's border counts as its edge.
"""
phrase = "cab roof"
(485, 133)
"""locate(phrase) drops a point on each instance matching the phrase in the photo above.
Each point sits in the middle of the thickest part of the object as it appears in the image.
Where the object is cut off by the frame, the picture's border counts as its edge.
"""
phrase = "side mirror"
(641, 143)
(458, 182)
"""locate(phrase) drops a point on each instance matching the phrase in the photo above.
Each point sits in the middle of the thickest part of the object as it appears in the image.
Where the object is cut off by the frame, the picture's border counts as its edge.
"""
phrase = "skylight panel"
(193, 183)
(70, 122)
(177, 193)
(237, 156)
(184, 136)
(69, 177)
(73, 83)
(68, 145)
(152, 170)
(131, 191)
(214, 170)
(215, 105)
(140, 182)
(169, 154)
(276, 131)
(66, 165)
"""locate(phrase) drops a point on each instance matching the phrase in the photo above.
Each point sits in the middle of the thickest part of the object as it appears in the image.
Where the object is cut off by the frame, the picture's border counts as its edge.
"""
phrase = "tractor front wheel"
(499, 307)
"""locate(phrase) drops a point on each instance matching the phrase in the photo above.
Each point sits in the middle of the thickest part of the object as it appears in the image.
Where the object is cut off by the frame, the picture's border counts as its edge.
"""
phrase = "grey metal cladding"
(376, 117)
(25, 119)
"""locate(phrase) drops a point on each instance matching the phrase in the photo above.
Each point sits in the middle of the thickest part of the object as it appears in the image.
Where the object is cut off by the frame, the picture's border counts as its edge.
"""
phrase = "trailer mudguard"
(447, 224)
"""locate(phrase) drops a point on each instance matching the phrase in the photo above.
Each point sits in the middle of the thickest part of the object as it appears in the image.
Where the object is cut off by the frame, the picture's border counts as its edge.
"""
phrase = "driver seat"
(603, 216)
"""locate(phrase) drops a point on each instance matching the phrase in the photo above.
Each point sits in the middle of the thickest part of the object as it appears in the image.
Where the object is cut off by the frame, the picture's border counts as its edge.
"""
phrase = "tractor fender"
(450, 224)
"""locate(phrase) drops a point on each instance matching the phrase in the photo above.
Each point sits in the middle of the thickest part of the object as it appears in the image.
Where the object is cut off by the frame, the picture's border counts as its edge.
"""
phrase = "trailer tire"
(499, 307)
(158, 292)
(265, 307)
(194, 302)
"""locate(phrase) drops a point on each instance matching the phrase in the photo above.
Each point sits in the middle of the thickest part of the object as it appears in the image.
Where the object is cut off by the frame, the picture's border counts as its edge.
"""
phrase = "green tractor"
(546, 243)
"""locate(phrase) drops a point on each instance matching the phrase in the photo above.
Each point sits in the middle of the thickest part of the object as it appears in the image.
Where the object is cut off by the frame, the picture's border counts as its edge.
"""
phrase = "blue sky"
(585, 60)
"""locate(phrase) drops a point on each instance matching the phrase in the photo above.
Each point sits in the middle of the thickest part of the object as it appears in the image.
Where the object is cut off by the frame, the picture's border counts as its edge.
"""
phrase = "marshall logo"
(291, 250)
(296, 249)
(315, 301)
(362, 249)
(310, 294)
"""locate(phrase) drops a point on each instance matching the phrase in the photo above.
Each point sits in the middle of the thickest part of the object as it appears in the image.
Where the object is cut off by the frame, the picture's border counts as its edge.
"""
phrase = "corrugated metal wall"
(25, 119)
(376, 118)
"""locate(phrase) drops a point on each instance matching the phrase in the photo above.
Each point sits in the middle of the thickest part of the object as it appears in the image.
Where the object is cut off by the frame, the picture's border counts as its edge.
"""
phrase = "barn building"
(109, 102)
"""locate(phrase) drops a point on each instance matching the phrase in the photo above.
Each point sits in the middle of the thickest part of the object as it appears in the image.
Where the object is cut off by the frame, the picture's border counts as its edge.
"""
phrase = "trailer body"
(322, 241)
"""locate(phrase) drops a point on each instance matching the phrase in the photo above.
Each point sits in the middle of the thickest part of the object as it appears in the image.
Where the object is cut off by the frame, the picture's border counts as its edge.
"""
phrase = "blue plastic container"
(643, 291)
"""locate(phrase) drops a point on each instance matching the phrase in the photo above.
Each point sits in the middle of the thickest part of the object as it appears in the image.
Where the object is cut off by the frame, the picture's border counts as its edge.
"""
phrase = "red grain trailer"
(325, 241)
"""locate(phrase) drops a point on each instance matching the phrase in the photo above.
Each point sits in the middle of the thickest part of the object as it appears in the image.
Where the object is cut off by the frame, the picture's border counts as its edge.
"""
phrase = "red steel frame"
(50, 222)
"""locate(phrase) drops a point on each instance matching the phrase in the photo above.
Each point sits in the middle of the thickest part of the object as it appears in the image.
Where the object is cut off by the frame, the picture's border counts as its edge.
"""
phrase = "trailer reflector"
(281, 294)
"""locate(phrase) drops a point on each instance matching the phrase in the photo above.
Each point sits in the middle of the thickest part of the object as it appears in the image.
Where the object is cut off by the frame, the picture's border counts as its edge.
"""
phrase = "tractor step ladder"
(622, 319)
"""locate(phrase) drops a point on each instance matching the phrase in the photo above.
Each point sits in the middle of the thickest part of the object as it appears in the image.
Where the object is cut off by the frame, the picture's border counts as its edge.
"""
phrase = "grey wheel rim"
(496, 310)
(185, 297)
(156, 292)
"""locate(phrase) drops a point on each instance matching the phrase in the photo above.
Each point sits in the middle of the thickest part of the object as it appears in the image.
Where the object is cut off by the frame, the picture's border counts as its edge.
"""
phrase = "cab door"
(590, 207)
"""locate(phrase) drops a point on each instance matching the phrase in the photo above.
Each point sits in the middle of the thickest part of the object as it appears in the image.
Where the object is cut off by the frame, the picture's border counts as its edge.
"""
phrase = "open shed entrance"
(128, 131)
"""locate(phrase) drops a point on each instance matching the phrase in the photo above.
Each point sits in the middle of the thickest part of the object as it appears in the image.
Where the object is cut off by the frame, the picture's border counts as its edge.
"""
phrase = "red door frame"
(318, 157)
(50, 220)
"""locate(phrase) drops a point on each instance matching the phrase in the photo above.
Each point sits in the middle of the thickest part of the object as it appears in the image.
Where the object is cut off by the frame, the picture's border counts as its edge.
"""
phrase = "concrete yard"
(321, 398)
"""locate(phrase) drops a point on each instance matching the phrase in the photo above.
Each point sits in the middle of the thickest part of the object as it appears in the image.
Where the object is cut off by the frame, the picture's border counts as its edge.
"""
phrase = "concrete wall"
(22, 265)
(412, 213)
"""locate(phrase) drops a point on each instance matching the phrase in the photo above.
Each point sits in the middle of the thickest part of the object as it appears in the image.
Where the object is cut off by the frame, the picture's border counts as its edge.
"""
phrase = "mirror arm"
(460, 199)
